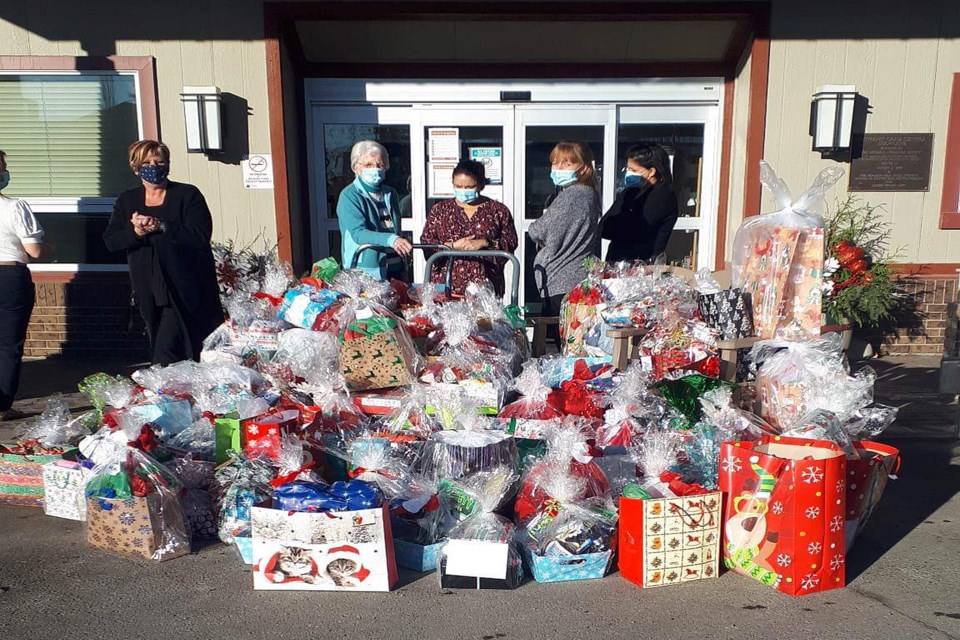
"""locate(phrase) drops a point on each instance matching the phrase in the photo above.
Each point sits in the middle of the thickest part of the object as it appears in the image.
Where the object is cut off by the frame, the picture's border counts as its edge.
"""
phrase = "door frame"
(401, 102)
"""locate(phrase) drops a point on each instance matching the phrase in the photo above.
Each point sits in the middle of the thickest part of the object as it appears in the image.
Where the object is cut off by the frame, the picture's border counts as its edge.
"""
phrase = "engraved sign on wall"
(893, 162)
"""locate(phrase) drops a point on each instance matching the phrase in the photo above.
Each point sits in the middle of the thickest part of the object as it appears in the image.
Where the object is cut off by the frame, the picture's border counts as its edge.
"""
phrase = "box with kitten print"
(323, 551)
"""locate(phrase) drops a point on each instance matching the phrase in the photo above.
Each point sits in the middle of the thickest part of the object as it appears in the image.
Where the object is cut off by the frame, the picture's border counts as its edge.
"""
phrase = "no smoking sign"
(257, 171)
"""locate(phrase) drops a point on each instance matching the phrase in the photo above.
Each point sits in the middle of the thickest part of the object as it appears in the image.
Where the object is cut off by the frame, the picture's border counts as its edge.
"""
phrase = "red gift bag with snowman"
(783, 521)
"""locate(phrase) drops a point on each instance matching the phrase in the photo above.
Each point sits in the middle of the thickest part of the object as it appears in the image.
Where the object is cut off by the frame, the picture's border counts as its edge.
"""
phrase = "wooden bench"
(540, 325)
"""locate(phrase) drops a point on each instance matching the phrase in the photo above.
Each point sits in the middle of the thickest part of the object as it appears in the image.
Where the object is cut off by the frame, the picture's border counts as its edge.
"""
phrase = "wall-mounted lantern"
(832, 117)
(201, 113)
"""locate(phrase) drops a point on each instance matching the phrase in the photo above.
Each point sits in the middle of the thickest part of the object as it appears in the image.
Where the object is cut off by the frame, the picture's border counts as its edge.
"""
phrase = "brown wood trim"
(928, 270)
(514, 70)
(71, 276)
(950, 200)
(143, 65)
(757, 110)
(278, 143)
(504, 11)
(726, 143)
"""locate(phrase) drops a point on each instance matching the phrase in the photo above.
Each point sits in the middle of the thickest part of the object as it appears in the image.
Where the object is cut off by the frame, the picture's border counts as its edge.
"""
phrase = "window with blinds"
(67, 135)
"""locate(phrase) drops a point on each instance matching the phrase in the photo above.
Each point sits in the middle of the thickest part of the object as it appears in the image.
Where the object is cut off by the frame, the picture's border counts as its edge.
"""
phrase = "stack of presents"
(339, 427)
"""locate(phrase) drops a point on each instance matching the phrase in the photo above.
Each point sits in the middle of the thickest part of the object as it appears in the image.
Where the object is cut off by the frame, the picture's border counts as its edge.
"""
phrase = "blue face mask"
(563, 177)
(372, 177)
(632, 179)
(154, 173)
(4, 180)
(464, 196)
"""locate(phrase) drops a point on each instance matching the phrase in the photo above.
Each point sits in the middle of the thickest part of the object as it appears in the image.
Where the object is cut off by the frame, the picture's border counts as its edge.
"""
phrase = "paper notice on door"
(443, 144)
(494, 192)
(440, 179)
(492, 160)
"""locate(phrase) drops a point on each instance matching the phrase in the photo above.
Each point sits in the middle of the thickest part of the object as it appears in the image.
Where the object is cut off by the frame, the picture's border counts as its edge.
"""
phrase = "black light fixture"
(201, 114)
(832, 116)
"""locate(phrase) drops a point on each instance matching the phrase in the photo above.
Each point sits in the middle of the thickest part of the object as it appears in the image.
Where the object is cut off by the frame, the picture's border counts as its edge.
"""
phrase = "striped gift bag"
(21, 476)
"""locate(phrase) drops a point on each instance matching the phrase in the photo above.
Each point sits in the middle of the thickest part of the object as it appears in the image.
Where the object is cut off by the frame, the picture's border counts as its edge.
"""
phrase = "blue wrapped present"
(588, 566)
(417, 557)
(300, 495)
(244, 546)
(303, 305)
(557, 370)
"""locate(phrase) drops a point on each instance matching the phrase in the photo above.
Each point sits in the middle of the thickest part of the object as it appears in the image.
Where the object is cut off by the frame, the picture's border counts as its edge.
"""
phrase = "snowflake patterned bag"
(132, 501)
(783, 522)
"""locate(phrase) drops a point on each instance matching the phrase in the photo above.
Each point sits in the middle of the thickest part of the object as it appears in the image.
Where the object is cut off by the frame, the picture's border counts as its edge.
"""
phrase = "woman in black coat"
(165, 227)
(641, 220)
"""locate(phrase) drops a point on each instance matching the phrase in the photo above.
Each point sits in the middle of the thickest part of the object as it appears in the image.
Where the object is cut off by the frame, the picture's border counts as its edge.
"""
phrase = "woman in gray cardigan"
(568, 230)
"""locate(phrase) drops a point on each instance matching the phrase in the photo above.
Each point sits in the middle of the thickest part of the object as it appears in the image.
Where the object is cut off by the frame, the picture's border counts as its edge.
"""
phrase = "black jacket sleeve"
(195, 226)
(613, 221)
(119, 235)
(660, 212)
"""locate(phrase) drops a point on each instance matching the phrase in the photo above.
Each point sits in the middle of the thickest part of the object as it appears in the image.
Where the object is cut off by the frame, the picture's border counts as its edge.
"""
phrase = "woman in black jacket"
(641, 220)
(165, 228)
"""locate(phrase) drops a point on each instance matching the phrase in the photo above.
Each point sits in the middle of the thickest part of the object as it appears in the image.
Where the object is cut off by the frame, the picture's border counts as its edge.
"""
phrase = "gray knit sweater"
(566, 233)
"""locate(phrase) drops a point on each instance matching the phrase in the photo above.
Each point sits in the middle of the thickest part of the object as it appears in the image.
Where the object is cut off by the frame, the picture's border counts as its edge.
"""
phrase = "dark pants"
(17, 295)
(169, 341)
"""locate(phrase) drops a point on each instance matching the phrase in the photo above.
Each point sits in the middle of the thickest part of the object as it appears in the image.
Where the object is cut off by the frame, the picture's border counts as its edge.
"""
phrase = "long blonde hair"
(578, 152)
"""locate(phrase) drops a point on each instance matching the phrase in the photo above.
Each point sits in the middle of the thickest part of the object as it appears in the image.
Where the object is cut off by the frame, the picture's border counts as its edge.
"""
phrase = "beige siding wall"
(907, 82)
(219, 46)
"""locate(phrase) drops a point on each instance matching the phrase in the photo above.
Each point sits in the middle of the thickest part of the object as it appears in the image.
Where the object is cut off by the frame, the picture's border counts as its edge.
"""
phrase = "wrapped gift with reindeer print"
(784, 520)
(376, 352)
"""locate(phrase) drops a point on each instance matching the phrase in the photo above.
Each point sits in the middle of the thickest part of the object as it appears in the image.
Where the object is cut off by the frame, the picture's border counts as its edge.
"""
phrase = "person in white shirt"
(21, 239)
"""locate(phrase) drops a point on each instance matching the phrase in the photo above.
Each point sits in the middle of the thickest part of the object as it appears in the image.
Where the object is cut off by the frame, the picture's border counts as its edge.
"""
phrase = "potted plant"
(858, 281)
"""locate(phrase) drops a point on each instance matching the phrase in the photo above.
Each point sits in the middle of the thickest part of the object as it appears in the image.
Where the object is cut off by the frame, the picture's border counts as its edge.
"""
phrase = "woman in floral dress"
(470, 222)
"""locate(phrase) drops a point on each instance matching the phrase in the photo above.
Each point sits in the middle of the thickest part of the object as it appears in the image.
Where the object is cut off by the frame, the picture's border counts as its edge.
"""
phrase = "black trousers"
(17, 295)
(169, 341)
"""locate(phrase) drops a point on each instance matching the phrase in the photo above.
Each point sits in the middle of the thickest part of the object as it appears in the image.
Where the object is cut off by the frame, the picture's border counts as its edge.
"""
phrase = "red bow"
(679, 487)
(275, 301)
(290, 477)
(146, 441)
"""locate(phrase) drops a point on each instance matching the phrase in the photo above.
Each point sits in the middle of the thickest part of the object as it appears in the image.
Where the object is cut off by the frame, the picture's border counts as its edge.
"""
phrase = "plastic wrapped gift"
(564, 508)
(239, 485)
(482, 551)
(308, 307)
(787, 371)
(531, 415)
(196, 476)
(778, 259)
(452, 455)
(133, 506)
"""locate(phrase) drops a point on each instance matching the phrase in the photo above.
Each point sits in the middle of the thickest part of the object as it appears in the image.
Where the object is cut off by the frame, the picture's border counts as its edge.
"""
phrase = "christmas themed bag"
(669, 529)
(263, 435)
(51, 437)
(133, 506)
(320, 538)
(63, 482)
(783, 522)
(376, 350)
(867, 477)
(778, 259)
(580, 316)
(239, 485)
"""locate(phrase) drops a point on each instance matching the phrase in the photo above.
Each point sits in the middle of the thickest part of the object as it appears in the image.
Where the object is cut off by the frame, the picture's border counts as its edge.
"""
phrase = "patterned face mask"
(154, 173)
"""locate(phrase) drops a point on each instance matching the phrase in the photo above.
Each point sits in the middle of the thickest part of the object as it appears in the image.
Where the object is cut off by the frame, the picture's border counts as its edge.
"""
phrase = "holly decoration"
(859, 281)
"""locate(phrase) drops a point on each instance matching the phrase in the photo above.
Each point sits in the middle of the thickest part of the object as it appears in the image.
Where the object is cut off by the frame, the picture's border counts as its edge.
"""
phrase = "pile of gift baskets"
(339, 427)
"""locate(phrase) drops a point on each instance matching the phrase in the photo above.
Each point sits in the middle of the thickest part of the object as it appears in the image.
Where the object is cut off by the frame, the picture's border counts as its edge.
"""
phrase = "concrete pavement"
(903, 577)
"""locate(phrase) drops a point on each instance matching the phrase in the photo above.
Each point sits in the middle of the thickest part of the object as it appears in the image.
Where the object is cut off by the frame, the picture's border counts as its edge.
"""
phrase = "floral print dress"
(492, 221)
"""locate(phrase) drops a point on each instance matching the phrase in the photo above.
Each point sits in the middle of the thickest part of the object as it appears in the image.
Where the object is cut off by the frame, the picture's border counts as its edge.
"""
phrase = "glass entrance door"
(425, 141)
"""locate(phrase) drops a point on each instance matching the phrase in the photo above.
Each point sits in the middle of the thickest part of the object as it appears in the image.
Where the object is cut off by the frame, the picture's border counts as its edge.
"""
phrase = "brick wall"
(89, 316)
(920, 323)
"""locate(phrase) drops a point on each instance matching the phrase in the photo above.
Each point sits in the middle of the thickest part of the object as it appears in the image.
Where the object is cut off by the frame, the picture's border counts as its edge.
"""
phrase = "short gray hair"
(365, 148)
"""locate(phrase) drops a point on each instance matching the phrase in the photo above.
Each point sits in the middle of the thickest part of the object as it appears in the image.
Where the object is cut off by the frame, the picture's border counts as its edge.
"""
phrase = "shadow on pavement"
(926, 481)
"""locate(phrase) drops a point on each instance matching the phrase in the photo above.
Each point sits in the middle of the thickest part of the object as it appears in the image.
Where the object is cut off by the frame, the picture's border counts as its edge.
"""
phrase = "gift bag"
(226, 438)
(327, 551)
(63, 482)
(866, 480)
(133, 506)
(729, 312)
(263, 435)
(670, 540)
(21, 475)
(374, 354)
(783, 522)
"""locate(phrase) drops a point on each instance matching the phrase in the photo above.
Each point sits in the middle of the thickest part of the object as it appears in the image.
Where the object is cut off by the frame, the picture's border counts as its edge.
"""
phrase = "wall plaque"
(893, 162)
